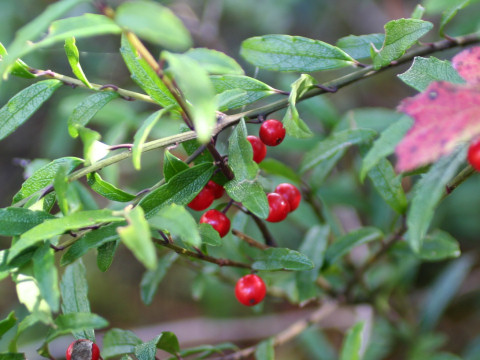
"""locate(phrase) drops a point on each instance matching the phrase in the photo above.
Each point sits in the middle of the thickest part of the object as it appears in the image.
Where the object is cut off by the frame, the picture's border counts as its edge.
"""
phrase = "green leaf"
(172, 165)
(31, 31)
(58, 226)
(245, 90)
(208, 350)
(152, 278)
(215, 62)
(265, 350)
(73, 57)
(93, 149)
(6, 324)
(61, 187)
(388, 185)
(117, 342)
(424, 71)
(400, 35)
(168, 342)
(142, 134)
(352, 344)
(16, 221)
(144, 75)
(438, 246)
(181, 189)
(179, 222)
(275, 167)
(79, 26)
(92, 239)
(293, 124)
(107, 190)
(198, 90)
(293, 53)
(105, 255)
(428, 193)
(191, 146)
(19, 68)
(282, 259)
(74, 291)
(137, 237)
(46, 274)
(245, 187)
(358, 47)
(28, 294)
(339, 141)
(155, 23)
(418, 12)
(209, 235)
(24, 104)
(12, 356)
(345, 243)
(450, 13)
(45, 176)
(385, 144)
(74, 323)
(86, 110)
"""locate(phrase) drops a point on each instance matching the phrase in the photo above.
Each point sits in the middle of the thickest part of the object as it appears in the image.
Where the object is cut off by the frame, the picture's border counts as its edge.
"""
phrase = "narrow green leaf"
(385, 144)
(327, 148)
(450, 13)
(73, 57)
(293, 53)
(86, 110)
(106, 252)
(295, 126)
(400, 35)
(19, 68)
(107, 190)
(137, 237)
(358, 47)
(345, 243)
(352, 344)
(28, 294)
(265, 350)
(74, 291)
(152, 278)
(245, 90)
(172, 165)
(46, 274)
(7, 323)
(179, 222)
(418, 12)
(427, 70)
(198, 90)
(428, 193)
(142, 134)
(215, 62)
(44, 176)
(438, 246)
(24, 104)
(118, 342)
(275, 167)
(147, 350)
(16, 221)
(181, 189)
(155, 23)
(74, 323)
(60, 185)
(209, 235)
(144, 75)
(93, 148)
(282, 259)
(78, 26)
(58, 226)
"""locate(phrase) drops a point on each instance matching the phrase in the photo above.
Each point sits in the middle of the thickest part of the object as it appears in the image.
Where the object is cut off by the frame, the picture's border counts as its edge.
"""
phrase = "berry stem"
(249, 240)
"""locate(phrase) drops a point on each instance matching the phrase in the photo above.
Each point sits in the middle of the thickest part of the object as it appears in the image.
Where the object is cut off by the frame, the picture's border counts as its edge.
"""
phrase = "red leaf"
(445, 115)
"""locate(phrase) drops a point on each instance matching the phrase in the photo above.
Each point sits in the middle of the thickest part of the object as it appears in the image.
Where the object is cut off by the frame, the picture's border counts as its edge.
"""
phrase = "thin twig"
(249, 240)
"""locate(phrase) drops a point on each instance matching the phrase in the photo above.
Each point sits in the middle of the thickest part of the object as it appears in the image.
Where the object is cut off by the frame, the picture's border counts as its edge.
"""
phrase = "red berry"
(289, 193)
(203, 200)
(218, 220)
(474, 155)
(279, 207)
(216, 189)
(250, 290)
(83, 349)
(259, 148)
(272, 132)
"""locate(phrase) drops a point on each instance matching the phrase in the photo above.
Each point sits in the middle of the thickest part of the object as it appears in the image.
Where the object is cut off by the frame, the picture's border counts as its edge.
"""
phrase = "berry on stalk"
(272, 132)
(474, 155)
(250, 290)
(203, 199)
(289, 193)
(83, 349)
(259, 148)
(218, 220)
(278, 207)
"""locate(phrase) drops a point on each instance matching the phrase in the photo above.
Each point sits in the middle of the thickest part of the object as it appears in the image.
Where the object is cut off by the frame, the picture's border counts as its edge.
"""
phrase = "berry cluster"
(271, 133)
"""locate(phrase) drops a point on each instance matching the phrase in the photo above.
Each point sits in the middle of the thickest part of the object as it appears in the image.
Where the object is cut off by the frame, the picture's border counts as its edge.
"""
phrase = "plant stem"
(249, 240)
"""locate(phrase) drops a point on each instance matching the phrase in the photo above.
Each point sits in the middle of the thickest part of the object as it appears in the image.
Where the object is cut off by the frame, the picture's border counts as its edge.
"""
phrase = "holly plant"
(239, 183)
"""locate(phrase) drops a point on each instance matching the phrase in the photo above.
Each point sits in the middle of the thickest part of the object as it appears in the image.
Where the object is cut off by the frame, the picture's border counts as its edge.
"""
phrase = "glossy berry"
(272, 132)
(203, 199)
(474, 155)
(278, 207)
(259, 148)
(250, 290)
(216, 189)
(218, 220)
(289, 193)
(83, 349)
